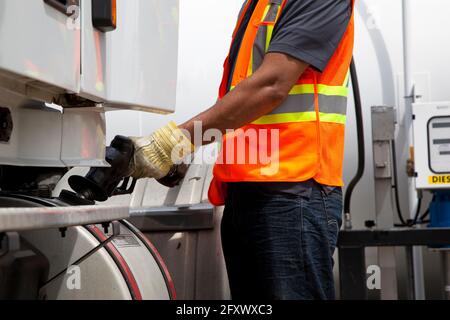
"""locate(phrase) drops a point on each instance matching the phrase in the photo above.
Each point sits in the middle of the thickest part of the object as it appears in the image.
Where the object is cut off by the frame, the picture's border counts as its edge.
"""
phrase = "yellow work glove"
(157, 154)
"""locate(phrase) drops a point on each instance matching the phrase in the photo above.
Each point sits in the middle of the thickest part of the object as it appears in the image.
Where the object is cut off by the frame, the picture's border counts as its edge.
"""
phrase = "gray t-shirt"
(308, 30)
(311, 30)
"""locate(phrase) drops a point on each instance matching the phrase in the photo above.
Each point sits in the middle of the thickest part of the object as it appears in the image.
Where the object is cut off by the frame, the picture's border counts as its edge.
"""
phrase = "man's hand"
(157, 155)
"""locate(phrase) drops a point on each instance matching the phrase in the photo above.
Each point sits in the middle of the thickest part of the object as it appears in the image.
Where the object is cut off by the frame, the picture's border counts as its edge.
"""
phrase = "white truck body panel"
(36, 43)
(46, 54)
(134, 66)
(46, 137)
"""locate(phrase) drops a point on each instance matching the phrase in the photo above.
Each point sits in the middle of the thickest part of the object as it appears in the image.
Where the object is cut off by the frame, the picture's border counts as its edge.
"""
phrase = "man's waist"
(302, 189)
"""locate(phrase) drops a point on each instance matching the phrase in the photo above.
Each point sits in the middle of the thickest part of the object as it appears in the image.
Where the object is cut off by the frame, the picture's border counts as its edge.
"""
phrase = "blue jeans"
(280, 246)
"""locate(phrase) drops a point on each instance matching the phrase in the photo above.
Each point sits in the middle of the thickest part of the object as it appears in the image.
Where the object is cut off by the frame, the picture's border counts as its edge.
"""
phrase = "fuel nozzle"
(101, 183)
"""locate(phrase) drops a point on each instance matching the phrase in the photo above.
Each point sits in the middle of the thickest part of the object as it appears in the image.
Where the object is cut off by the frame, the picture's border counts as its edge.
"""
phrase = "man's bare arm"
(254, 97)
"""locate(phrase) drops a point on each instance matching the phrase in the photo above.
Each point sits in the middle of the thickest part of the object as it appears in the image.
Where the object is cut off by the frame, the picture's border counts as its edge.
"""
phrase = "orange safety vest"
(308, 128)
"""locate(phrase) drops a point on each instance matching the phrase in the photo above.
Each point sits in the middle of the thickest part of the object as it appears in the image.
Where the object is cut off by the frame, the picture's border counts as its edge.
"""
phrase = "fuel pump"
(431, 123)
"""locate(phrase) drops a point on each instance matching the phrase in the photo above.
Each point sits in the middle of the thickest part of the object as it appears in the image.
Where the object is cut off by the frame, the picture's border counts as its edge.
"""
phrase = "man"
(279, 175)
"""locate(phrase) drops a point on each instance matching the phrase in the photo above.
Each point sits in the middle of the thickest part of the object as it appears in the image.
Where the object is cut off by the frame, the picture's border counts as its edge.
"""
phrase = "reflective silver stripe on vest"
(305, 103)
(273, 11)
(259, 47)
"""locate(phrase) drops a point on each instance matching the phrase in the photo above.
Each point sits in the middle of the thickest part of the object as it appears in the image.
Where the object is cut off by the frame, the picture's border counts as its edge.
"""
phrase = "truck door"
(40, 43)
(134, 65)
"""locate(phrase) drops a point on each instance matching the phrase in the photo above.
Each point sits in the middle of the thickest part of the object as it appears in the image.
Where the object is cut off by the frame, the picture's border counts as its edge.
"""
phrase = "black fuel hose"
(403, 222)
(360, 136)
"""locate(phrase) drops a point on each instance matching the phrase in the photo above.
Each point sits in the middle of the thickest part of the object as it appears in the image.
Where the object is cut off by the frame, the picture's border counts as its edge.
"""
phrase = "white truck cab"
(63, 64)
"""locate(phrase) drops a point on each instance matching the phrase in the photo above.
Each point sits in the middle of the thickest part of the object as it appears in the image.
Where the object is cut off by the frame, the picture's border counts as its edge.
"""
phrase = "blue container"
(440, 211)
